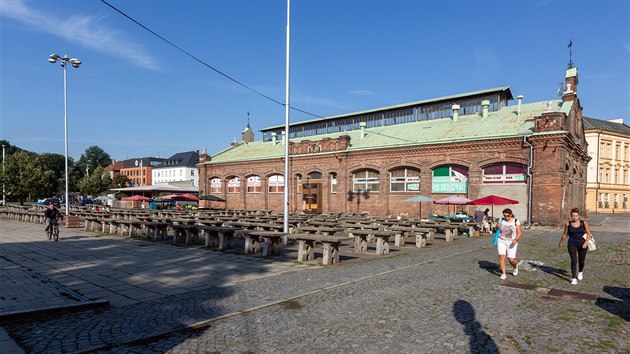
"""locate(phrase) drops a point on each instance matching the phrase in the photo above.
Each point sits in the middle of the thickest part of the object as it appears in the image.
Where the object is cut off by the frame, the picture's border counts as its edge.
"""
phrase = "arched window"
(254, 184)
(314, 176)
(450, 179)
(276, 184)
(216, 185)
(404, 180)
(365, 180)
(234, 185)
(504, 173)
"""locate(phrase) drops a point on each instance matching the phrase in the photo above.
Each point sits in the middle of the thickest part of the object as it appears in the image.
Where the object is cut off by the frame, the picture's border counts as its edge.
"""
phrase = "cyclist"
(51, 214)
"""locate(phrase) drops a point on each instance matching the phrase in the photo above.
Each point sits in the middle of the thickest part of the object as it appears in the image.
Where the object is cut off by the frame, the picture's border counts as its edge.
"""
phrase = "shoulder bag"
(591, 243)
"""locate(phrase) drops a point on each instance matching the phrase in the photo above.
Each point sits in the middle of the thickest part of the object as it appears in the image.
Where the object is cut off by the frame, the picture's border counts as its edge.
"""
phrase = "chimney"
(455, 109)
(274, 139)
(247, 134)
(520, 103)
(284, 137)
(570, 93)
(485, 104)
(362, 126)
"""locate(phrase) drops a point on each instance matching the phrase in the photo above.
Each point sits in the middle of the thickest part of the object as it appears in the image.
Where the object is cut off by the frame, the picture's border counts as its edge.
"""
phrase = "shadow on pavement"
(557, 272)
(619, 307)
(479, 341)
(491, 267)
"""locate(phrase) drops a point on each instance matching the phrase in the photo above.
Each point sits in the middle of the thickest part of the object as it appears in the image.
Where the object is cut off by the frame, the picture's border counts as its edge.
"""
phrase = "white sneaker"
(580, 276)
(515, 271)
(573, 281)
(503, 276)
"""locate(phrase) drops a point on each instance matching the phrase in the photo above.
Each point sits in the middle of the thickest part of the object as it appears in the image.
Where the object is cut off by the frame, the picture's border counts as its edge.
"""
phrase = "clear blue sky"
(134, 95)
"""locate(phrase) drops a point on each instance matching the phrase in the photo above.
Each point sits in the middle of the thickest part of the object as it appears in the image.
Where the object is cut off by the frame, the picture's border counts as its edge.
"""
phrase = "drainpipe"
(529, 175)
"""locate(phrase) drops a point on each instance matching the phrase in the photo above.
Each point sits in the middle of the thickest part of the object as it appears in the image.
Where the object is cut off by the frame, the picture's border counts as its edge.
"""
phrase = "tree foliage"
(120, 181)
(92, 158)
(24, 177)
(97, 182)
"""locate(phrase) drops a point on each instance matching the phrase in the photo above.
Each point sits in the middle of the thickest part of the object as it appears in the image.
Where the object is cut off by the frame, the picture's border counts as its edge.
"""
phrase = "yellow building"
(608, 182)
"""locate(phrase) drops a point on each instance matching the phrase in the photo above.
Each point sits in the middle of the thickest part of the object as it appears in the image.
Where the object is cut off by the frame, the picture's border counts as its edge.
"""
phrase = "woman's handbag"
(495, 241)
(591, 243)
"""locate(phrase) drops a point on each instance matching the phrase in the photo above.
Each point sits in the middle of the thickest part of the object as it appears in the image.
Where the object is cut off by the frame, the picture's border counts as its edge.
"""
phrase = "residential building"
(608, 182)
(114, 168)
(179, 167)
(471, 144)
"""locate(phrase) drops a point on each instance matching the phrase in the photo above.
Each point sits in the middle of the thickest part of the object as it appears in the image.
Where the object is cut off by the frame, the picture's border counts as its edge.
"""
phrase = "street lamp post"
(4, 201)
(75, 63)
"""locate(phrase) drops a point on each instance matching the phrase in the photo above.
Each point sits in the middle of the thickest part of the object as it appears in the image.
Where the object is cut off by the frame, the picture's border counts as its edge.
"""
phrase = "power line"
(204, 63)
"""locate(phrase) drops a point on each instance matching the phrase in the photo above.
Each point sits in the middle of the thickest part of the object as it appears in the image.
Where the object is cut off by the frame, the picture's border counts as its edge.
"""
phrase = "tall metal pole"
(287, 178)
(65, 131)
(4, 200)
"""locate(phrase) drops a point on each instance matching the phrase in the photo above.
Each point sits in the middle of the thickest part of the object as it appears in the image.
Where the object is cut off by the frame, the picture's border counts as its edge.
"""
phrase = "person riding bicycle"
(51, 214)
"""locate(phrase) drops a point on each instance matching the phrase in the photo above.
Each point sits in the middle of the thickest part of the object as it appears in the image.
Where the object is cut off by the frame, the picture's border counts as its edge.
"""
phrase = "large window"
(276, 184)
(404, 180)
(254, 184)
(216, 185)
(234, 185)
(365, 180)
(450, 179)
(504, 173)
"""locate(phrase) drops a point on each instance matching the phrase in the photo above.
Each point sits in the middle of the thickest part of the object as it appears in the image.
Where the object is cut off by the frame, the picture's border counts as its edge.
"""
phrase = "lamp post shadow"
(478, 339)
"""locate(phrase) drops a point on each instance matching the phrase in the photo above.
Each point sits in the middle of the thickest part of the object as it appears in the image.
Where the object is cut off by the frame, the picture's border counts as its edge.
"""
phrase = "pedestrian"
(577, 245)
(508, 241)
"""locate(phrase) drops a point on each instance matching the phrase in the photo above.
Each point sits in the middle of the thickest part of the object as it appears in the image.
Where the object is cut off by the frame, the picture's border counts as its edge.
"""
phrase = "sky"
(136, 95)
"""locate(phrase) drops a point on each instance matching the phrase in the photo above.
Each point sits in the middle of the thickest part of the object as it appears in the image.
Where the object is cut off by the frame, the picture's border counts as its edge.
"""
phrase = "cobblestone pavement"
(443, 298)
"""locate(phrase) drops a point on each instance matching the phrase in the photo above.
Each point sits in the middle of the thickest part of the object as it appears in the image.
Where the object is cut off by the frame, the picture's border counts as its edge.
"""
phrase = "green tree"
(120, 181)
(8, 148)
(96, 183)
(56, 164)
(92, 158)
(24, 177)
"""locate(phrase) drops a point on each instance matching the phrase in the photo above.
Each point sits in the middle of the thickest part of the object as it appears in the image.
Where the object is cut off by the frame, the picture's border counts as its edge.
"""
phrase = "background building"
(608, 183)
(179, 167)
(470, 144)
(139, 171)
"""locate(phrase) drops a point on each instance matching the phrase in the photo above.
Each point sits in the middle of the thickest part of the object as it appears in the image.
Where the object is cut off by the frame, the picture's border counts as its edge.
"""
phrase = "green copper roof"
(499, 124)
(402, 105)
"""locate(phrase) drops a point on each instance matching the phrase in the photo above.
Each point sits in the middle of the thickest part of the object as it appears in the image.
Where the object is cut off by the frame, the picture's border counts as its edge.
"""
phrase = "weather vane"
(570, 53)
(248, 118)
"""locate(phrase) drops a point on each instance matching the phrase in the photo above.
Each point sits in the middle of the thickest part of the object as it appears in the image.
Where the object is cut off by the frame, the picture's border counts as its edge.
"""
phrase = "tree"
(24, 177)
(120, 181)
(96, 183)
(8, 148)
(92, 158)
(57, 165)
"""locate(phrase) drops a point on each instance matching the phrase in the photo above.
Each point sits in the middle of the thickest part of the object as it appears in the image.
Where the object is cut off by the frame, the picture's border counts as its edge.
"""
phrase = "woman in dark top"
(577, 244)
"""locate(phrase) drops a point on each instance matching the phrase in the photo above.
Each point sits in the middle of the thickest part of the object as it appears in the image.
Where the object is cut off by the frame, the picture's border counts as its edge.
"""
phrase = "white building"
(177, 168)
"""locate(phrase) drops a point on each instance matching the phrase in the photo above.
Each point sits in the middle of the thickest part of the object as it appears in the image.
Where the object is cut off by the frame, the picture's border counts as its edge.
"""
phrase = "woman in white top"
(508, 241)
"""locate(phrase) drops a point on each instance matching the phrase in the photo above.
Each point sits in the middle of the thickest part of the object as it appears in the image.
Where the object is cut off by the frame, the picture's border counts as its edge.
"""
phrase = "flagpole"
(286, 129)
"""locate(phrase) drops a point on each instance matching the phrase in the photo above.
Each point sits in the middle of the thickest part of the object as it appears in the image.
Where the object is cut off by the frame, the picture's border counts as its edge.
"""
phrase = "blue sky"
(135, 95)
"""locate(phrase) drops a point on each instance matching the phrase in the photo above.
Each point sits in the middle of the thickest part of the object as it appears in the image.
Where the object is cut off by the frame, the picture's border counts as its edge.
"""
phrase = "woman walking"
(577, 244)
(508, 241)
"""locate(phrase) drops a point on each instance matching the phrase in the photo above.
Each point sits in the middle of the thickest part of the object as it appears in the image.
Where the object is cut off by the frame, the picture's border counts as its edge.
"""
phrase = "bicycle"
(53, 230)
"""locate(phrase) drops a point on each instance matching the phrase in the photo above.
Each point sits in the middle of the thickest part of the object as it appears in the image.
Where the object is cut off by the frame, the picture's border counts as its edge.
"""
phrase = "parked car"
(47, 201)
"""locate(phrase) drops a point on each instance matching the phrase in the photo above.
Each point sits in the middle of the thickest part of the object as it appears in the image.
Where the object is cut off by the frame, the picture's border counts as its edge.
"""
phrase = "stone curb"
(21, 316)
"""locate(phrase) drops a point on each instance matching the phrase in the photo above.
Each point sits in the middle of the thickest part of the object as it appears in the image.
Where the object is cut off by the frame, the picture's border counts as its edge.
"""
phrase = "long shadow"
(619, 307)
(557, 272)
(175, 299)
(478, 340)
(490, 267)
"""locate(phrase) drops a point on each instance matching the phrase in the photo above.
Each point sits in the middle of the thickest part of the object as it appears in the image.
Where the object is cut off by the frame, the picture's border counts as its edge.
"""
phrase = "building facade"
(179, 167)
(608, 182)
(471, 145)
(139, 171)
